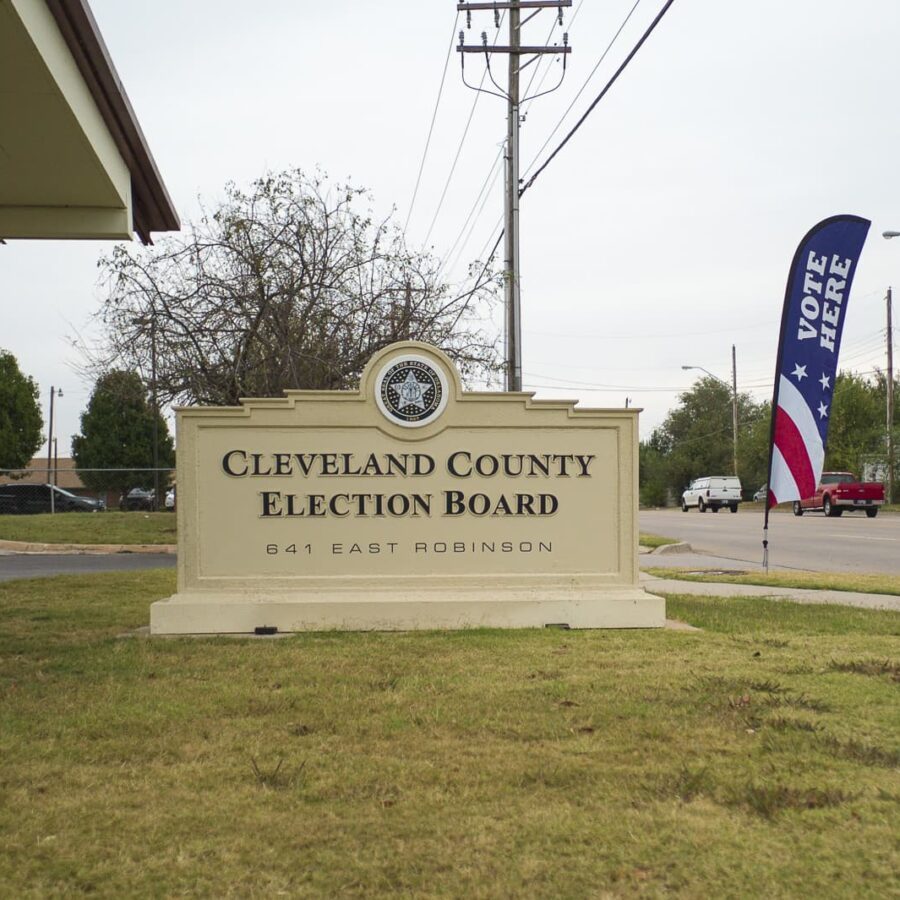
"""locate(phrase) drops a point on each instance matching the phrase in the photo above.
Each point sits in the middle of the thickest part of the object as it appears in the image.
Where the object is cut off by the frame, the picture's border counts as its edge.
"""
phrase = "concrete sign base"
(396, 611)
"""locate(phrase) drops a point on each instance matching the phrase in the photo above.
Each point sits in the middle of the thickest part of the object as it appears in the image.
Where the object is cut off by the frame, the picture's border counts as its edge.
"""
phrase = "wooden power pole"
(734, 408)
(516, 50)
(891, 472)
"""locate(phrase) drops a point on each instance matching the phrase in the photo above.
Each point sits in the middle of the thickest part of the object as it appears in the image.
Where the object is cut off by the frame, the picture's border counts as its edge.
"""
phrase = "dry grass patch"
(479, 763)
(873, 667)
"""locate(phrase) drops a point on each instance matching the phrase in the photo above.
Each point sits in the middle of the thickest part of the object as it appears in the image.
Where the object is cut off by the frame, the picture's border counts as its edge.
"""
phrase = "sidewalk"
(8, 547)
(684, 557)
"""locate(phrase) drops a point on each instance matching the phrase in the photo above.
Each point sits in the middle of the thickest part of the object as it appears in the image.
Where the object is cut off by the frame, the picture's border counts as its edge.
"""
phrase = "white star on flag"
(825, 381)
(823, 410)
(800, 372)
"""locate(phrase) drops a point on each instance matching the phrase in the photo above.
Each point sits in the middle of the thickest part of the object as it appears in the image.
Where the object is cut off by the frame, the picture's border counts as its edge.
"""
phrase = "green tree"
(880, 378)
(117, 434)
(20, 415)
(697, 436)
(753, 448)
(857, 424)
(654, 490)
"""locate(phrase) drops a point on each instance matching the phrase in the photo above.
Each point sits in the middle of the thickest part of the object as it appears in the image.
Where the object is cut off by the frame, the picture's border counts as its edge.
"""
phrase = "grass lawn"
(757, 758)
(823, 581)
(654, 540)
(91, 528)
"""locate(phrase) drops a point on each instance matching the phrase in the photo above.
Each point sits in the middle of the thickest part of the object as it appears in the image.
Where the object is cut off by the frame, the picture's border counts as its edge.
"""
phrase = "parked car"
(170, 499)
(43, 498)
(760, 495)
(838, 491)
(137, 499)
(713, 492)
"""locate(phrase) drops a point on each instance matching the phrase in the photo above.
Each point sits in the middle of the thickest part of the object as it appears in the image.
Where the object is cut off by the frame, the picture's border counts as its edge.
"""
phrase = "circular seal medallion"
(411, 391)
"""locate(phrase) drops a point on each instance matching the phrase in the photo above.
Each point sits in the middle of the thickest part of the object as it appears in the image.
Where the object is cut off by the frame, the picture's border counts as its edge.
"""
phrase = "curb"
(667, 549)
(36, 547)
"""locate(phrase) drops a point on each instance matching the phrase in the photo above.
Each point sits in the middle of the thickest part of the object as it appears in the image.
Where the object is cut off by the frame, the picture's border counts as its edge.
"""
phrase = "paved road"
(851, 543)
(40, 565)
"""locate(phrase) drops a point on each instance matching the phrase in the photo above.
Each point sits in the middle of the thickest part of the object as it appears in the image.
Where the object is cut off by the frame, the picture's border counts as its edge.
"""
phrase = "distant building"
(36, 473)
(63, 475)
(875, 469)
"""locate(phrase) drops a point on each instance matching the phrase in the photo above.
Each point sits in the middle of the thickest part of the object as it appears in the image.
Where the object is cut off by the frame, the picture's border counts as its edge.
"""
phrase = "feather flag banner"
(815, 307)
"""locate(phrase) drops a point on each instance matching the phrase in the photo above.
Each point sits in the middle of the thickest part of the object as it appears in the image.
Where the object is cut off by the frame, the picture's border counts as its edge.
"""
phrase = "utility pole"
(407, 312)
(150, 321)
(515, 50)
(890, 401)
(54, 392)
(155, 405)
(734, 402)
(734, 405)
(511, 213)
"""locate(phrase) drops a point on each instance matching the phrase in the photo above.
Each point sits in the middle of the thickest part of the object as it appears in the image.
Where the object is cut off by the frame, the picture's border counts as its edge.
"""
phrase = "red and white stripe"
(798, 455)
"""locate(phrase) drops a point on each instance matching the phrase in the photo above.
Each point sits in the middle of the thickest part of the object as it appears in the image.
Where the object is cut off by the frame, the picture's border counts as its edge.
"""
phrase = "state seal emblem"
(411, 391)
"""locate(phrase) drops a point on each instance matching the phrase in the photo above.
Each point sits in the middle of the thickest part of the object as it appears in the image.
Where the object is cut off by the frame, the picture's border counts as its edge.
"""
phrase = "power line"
(702, 437)
(650, 29)
(462, 141)
(467, 296)
(478, 283)
(584, 368)
(537, 65)
(603, 56)
(476, 220)
(491, 171)
(515, 50)
(641, 336)
(437, 102)
(608, 389)
(593, 385)
(864, 338)
(875, 346)
(484, 191)
(491, 234)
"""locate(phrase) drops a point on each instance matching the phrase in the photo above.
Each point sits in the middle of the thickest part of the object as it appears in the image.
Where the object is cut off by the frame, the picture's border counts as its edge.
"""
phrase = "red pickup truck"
(838, 491)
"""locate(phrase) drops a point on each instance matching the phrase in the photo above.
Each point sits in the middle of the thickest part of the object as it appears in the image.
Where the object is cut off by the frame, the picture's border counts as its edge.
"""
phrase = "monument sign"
(409, 503)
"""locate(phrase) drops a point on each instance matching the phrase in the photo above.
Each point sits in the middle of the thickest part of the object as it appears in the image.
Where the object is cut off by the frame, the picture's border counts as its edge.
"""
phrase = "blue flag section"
(815, 307)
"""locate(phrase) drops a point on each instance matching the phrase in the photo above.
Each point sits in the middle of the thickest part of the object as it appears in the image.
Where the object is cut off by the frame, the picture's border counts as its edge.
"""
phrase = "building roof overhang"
(74, 162)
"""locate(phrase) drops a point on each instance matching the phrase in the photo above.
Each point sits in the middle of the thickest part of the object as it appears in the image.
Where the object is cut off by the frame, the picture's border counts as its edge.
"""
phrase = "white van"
(713, 492)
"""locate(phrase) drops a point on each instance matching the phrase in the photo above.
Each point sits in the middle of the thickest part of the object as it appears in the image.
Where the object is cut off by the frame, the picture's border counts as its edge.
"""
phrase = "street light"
(887, 235)
(54, 392)
(151, 321)
(734, 400)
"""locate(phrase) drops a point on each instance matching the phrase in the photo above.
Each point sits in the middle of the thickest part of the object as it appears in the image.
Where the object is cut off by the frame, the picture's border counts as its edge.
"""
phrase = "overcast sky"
(659, 236)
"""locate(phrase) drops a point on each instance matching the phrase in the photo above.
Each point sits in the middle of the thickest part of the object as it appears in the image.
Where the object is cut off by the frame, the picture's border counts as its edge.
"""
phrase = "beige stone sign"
(409, 503)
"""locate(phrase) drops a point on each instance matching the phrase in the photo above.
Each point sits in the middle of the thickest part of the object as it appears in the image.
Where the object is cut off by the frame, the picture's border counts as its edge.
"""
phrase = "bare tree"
(286, 285)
